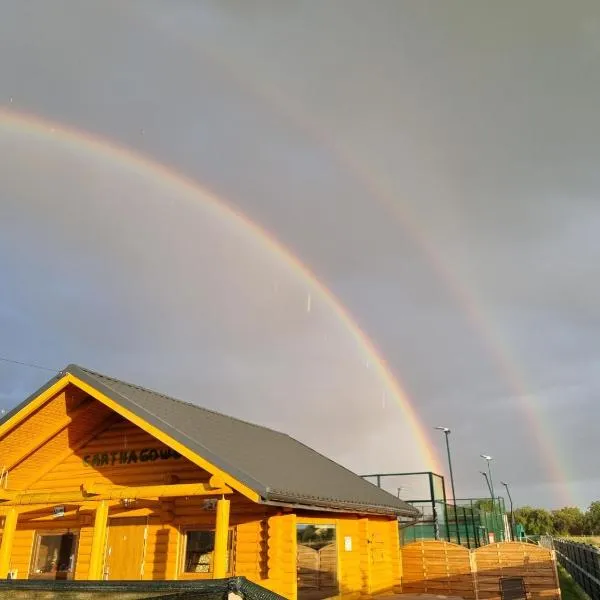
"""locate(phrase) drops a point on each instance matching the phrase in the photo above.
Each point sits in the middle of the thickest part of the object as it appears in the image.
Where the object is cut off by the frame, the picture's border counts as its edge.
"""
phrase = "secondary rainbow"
(461, 294)
(100, 147)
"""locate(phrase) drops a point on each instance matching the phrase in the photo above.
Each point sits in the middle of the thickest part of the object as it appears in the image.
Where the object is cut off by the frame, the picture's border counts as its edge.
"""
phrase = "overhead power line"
(27, 364)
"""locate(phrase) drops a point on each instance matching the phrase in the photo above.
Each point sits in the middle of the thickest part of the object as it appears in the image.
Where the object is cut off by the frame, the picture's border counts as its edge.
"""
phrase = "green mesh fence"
(469, 521)
(214, 589)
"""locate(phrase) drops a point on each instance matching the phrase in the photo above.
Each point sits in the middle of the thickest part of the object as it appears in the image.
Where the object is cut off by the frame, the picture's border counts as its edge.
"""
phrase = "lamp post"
(446, 431)
(512, 522)
(489, 459)
(485, 475)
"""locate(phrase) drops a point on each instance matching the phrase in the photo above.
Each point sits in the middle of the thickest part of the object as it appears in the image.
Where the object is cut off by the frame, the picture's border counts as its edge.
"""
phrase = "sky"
(432, 165)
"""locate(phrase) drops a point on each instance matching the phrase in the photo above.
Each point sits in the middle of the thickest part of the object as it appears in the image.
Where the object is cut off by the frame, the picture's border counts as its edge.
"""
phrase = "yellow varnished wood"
(96, 568)
(221, 538)
(8, 534)
(166, 439)
(33, 406)
(125, 548)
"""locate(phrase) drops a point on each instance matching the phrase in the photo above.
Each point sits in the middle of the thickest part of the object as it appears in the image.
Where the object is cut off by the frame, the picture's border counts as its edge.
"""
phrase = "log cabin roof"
(277, 467)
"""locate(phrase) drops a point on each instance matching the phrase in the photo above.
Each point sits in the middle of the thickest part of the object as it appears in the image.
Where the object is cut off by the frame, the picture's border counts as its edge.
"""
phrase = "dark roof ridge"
(171, 398)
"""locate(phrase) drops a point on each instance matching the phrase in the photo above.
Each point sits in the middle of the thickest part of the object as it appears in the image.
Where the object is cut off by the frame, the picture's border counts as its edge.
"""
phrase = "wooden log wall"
(74, 440)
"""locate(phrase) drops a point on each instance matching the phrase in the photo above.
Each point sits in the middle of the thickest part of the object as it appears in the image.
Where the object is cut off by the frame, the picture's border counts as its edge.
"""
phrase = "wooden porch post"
(98, 542)
(8, 535)
(221, 539)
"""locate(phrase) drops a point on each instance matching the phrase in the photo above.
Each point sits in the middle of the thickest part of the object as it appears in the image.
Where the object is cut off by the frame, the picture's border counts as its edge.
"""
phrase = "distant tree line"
(569, 520)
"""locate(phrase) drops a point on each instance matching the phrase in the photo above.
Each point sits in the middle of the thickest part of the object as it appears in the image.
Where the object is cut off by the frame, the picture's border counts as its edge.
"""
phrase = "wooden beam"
(85, 508)
(98, 542)
(98, 492)
(154, 491)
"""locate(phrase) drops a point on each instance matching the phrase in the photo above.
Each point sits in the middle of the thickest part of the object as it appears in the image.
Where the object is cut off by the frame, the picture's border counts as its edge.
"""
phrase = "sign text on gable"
(127, 457)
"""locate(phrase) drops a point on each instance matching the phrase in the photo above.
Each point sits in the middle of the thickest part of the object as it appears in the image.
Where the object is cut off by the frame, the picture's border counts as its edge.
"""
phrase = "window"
(54, 555)
(199, 551)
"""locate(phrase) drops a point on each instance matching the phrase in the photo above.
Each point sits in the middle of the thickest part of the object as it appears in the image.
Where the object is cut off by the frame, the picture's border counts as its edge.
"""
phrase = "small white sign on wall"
(348, 543)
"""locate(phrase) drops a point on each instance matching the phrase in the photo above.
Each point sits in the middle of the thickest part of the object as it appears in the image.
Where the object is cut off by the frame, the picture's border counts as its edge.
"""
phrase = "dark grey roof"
(274, 465)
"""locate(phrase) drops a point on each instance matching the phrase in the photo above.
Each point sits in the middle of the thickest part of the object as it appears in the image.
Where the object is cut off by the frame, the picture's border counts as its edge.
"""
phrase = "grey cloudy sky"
(434, 164)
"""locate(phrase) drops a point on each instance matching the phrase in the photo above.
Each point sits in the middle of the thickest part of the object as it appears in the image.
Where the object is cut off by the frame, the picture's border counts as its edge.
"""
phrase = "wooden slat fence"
(437, 567)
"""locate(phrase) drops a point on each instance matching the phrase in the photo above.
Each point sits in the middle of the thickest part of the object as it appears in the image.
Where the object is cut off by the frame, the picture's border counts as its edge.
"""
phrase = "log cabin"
(104, 480)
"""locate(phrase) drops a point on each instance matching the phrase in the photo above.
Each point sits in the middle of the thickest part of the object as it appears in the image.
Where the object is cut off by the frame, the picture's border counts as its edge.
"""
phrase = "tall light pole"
(489, 487)
(512, 522)
(446, 431)
(489, 459)
(485, 475)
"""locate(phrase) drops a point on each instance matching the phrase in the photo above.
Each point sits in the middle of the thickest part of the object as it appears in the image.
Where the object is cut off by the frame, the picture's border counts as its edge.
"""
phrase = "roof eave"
(316, 504)
(150, 418)
(19, 407)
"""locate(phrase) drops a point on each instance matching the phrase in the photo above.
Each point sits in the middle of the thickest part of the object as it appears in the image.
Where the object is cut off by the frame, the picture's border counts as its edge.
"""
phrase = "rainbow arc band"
(98, 148)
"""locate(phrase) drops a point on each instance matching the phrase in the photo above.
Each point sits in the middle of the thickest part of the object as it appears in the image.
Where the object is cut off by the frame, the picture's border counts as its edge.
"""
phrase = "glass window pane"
(315, 536)
(55, 554)
(199, 549)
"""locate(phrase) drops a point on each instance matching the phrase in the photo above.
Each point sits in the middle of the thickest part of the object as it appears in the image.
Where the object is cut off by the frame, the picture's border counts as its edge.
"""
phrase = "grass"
(568, 588)
(586, 539)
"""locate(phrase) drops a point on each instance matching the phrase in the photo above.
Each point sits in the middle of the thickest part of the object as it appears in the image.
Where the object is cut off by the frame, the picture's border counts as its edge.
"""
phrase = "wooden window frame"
(183, 574)
(37, 539)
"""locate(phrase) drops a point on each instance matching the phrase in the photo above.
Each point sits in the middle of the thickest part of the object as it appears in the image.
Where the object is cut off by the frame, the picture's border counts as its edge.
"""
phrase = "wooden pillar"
(98, 542)
(221, 539)
(8, 535)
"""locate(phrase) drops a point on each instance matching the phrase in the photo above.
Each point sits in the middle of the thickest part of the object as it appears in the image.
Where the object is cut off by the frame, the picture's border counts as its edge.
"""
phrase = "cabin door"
(126, 548)
(317, 562)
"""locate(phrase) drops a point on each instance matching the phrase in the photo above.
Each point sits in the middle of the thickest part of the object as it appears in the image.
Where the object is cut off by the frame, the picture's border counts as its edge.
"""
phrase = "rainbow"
(463, 296)
(98, 147)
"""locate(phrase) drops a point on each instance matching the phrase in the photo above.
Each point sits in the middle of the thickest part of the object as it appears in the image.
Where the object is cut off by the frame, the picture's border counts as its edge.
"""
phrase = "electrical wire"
(27, 364)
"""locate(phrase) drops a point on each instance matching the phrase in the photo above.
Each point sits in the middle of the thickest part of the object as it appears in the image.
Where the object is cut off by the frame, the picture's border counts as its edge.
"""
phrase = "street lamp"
(489, 459)
(489, 487)
(512, 522)
(446, 431)
(485, 475)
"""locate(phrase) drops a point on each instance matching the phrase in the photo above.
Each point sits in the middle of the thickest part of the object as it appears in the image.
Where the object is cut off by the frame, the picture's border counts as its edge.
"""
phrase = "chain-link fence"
(216, 589)
(471, 522)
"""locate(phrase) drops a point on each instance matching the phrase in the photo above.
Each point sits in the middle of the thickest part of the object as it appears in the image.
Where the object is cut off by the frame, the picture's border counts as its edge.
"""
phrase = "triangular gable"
(262, 464)
(119, 453)
(133, 414)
